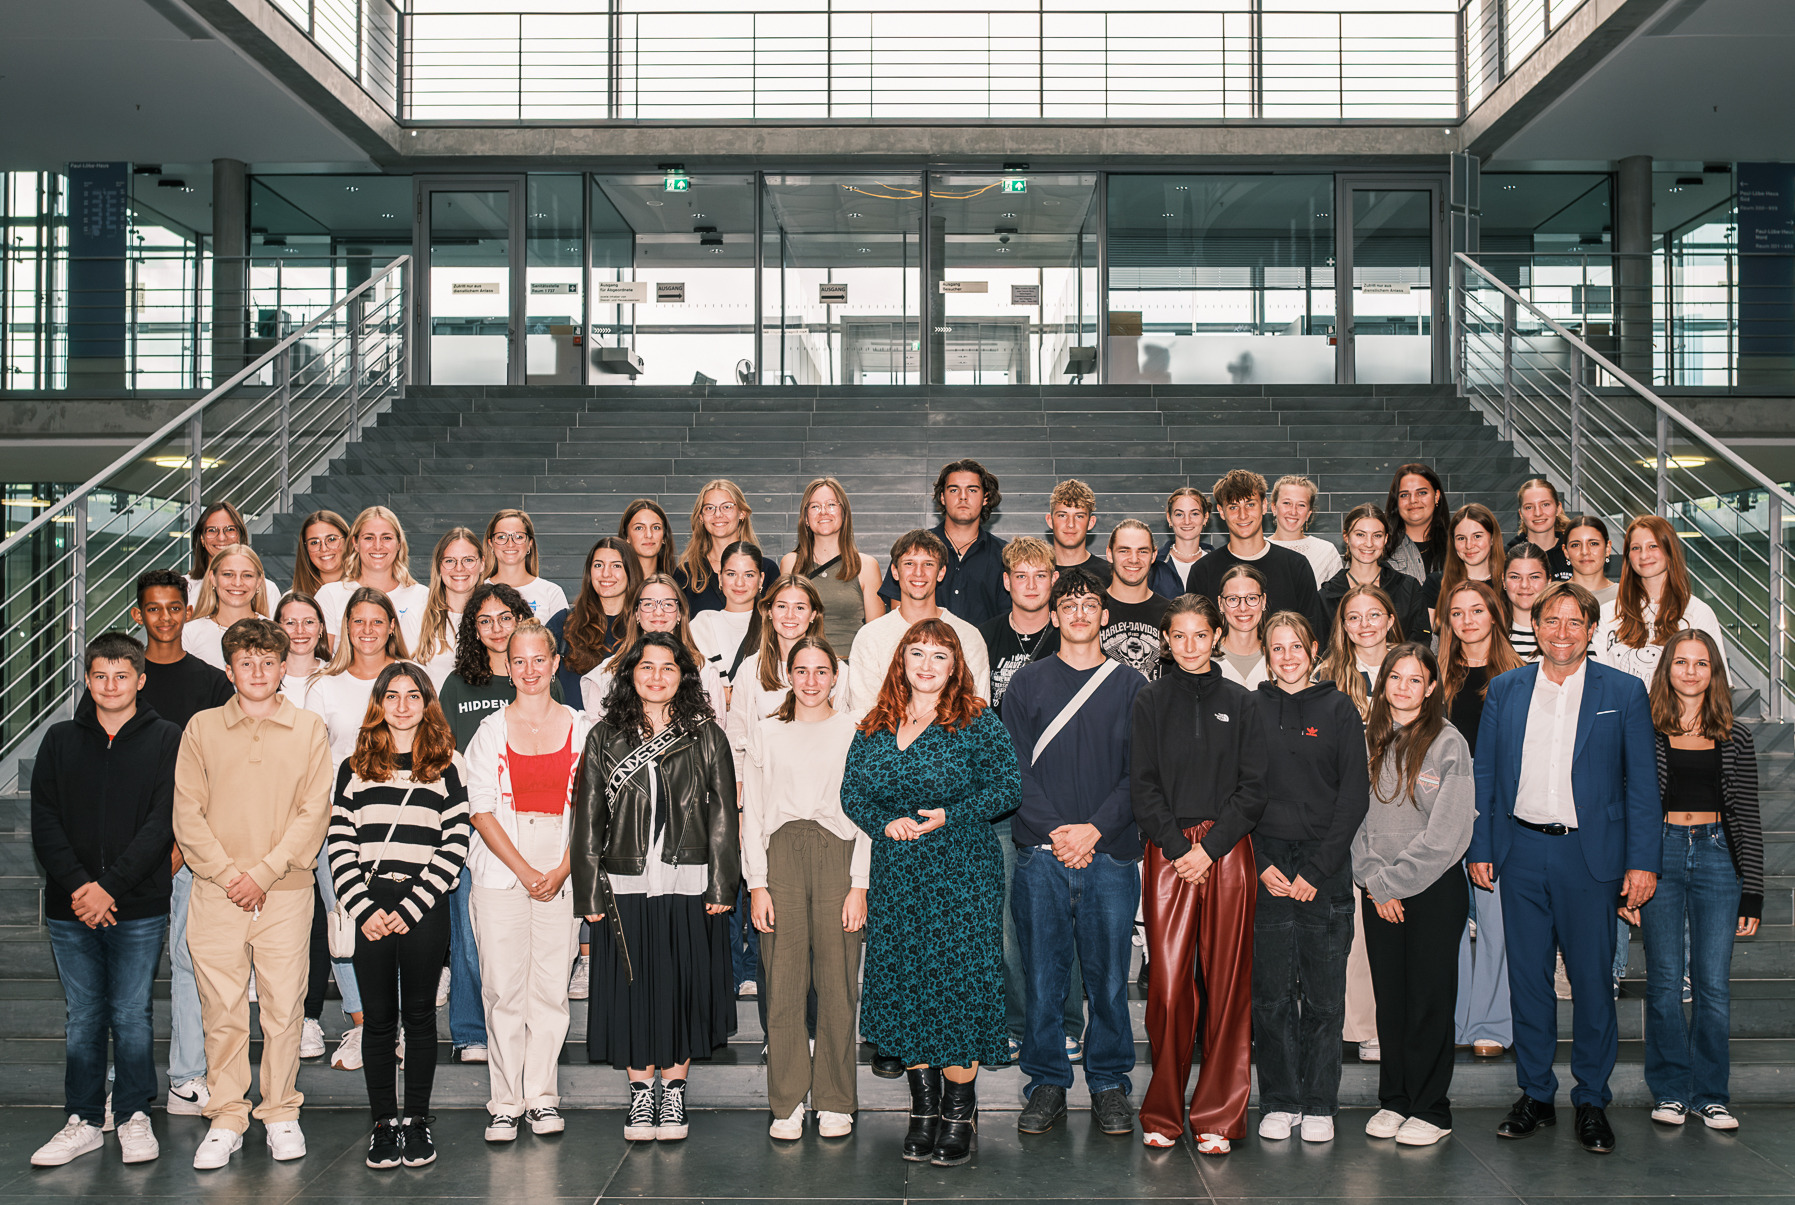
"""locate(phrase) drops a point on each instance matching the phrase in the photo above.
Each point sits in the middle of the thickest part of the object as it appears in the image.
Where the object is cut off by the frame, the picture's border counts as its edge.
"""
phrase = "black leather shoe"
(959, 1133)
(887, 1067)
(925, 1113)
(1046, 1105)
(1593, 1130)
(1525, 1116)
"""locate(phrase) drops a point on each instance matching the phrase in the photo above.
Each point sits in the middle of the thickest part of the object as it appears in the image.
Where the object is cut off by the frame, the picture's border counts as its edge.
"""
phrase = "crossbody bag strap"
(368, 874)
(1073, 706)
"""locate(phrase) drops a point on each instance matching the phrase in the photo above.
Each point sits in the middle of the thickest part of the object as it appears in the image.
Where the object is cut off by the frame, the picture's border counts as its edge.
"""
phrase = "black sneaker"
(1046, 1105)
(670, 1120)
(384, 1148)
(501, 1127)
(639, 1125)
(1111, 1111)
(415, 1141)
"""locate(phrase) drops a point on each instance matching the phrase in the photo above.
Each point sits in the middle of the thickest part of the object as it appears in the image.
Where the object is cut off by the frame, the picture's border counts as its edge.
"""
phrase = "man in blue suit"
(1568, 818)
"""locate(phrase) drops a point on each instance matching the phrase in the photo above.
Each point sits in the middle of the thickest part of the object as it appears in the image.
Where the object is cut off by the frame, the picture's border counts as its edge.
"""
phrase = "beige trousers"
(1361, 1005)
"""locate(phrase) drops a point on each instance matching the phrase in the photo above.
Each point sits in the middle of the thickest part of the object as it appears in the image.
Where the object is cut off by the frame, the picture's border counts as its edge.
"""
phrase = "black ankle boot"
(958, 1136)
(925, 1113)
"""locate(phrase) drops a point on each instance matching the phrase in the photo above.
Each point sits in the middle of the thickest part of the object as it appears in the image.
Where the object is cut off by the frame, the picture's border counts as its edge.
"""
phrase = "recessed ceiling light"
(697, 215)
(389, 215)
(656, 204)
(866, 250)
(856, 215)
(351, 188)
(1168, 215)
(1003, 250)
(1009, 215)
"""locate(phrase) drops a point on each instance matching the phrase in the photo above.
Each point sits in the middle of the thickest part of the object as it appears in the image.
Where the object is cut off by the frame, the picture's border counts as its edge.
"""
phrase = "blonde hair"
(436, 636)
(1299, 482)
(697, 559)
(401, 561)
(1341, 665)
(1026, 550)
(206, 604)
(344, 656)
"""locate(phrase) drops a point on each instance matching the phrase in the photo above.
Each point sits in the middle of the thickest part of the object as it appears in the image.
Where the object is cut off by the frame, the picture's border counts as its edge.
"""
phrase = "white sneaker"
(1670, 1112)
(286, 1140)
(311, 1039)
(108, 1123)
(75, 1139)
(472, 1054)
(1370, 1052)
(1384, 1123)
(348, 1055)
(216, 1148)
(748, 988)
(1415, 1132)
(834, 1125)
(1318, 1129)
(789, 1129)
(137, 1141)
(579, 986)
(188, 1098)
(442, 988)
(1277, 1126)
(1158, 1141)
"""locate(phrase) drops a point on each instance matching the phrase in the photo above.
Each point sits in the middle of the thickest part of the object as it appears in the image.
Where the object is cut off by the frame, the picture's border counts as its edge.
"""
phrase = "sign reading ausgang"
(670, 292)
(833, 294)
(620, 292)
(965, 286)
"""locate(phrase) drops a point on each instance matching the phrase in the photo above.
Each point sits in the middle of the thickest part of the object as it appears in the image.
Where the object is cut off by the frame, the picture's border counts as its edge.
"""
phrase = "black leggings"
(398, 975)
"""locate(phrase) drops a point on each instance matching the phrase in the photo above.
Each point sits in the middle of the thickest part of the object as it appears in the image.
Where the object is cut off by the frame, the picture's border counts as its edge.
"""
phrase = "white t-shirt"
(342, 699)
(204, 638)
(1642, 663)
(1182, 569)
(269, 594)
(408, 601)
(719, 634)
(442, 664)
(546, 599)
(1323, 557)
(876, 643)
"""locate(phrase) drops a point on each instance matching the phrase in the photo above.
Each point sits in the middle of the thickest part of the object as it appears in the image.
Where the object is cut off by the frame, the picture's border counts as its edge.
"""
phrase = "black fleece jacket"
(1318, 787)
(1406, 595)
(1198, 753)
(102, 811)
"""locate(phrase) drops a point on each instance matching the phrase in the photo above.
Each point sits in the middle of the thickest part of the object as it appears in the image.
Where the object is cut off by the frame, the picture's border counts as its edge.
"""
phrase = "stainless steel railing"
(1617, 449)
(71, 572)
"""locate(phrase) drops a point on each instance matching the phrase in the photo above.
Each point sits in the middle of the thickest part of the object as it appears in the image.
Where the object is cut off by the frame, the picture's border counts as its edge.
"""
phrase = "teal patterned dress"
(933, 990)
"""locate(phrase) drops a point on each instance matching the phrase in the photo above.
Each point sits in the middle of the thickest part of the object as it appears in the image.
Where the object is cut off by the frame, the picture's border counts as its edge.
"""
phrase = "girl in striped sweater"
(399, 833)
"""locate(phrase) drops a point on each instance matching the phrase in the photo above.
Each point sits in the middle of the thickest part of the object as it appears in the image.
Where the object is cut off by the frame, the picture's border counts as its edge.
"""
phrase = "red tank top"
(539, 780)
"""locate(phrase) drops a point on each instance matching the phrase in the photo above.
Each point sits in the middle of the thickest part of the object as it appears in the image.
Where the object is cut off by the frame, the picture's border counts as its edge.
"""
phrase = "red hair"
(959, 705)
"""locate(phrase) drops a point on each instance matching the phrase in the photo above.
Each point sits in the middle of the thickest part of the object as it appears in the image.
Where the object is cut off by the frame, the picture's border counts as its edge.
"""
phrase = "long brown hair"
(305, 574)
(770, 660)
(1503, 657)
(805, 558)
(586, 624)
(1341, 665)
(532, 558)
(1630, 602)
(202, 559)
(432, 749)
(632, 627)
(959, 705)
(1716, 718)
(1453, 570)
(344, 656)
(1409, 745)
(436, 636)
(788, 710)
(666, 560)
(697, 560)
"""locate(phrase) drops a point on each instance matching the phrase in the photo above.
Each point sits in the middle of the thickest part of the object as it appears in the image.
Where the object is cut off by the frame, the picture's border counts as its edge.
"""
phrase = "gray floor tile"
(1352, 1165)
(730, 1156)
(1073, 1161)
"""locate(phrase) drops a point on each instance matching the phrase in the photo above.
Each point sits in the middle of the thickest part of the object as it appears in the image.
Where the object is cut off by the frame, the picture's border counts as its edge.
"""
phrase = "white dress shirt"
(1544, 794)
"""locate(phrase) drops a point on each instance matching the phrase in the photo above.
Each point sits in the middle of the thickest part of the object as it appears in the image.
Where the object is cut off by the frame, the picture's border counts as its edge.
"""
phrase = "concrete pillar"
(935, 301)
(1633, 267)
(230, 246)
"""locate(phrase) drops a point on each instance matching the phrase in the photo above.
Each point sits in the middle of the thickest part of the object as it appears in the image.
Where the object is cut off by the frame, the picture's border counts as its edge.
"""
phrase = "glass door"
(1391, 312)
(472, 280)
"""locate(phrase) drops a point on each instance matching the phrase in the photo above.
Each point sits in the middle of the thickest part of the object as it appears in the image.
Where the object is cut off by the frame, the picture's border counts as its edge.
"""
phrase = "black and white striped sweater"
(428, 847)
(1738, 811)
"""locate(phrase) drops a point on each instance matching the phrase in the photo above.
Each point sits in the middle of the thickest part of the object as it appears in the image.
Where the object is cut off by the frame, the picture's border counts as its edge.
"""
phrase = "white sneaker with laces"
(216, 1148)
(311, 1039)
(1370, 1052)
(747, 987)
(1158, 1141)
(579, 986)
(188, 1098)
(348, 1055)
(1717, 1117)
(834, 1125)
(442, 988)
(75, 1139)
(788, 1129)
(286, 1140)
(1385, 1123)
(1670, 1112)
(1277, 1126)
(1318, 1129)
(1415, 1132)
(136, 1141)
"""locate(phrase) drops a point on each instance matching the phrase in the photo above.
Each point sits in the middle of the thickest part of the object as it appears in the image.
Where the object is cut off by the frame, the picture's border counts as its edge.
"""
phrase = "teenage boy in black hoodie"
(102, 799)
(1197, 772)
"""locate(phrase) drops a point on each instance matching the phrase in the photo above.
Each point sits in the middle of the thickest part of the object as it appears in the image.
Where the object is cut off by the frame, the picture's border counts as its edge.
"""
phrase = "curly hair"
(987, 483)
(691, 706)
(432, 750)
(959, 704)
(586, 627)
(472, 663)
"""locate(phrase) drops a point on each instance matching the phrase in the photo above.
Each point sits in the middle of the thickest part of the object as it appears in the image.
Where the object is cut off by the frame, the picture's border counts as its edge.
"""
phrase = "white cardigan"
(489, 790)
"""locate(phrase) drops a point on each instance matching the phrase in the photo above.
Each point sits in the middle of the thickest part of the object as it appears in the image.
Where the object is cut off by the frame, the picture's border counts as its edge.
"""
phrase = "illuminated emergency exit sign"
(1015, 184)
(677, 182)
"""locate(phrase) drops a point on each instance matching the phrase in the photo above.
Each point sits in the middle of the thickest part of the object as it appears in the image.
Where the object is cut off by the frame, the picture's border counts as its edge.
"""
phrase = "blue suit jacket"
(1614, 772)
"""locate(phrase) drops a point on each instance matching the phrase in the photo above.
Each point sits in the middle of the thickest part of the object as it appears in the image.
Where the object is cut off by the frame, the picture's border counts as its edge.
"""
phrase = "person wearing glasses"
(1240, 651)
(323, 546)
(847, 581)
(1289, 579)
(721, 517)
(512, 559)
(455, 569)
(659, 606)
(481, 682)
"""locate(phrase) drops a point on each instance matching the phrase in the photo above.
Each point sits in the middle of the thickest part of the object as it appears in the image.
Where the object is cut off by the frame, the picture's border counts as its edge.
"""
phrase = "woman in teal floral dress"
(929, 769)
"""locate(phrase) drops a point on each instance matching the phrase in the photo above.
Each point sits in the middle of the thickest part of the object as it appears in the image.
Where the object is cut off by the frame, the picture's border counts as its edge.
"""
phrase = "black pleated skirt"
(681, 1004)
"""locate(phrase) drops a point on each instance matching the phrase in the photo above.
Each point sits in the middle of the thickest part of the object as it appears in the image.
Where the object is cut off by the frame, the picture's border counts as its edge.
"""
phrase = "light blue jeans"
(343, 970)
(187, 1033)
(1483, 1013)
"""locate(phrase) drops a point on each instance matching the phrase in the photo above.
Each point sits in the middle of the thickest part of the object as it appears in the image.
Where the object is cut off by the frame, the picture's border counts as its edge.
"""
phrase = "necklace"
(1029, 643)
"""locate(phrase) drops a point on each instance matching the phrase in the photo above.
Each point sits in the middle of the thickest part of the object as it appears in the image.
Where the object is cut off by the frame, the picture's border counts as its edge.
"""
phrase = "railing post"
(1778, 616)
(1458, 326)
(196, 494)
(1663, 467)
(78, 578)
(283, 378)
(1576, 430)
(355, 366)
(1508, 368)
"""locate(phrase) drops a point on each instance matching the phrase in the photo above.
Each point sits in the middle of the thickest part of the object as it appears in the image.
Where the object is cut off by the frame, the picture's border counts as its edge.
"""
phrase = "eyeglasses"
(822, 508)
(1235, 602)
(317, 542)
(487, 623)
(213, 533)
(1081, 608)
(510, 537)
(652, 605)
(718, 508)
(461, 562)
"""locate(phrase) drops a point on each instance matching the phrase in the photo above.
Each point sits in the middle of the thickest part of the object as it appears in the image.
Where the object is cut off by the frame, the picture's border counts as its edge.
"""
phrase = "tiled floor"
(730, 1158)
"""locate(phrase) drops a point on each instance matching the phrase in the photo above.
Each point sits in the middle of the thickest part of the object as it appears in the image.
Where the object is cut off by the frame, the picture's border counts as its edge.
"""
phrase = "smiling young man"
(1077, 882)
(251, 805)
(1132, 609)
(1289, 579)
(971, 585)
(1071, 513)
(918, 566)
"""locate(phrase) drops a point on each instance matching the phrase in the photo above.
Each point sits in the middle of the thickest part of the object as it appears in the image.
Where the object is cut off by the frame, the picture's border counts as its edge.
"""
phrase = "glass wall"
(554, 301)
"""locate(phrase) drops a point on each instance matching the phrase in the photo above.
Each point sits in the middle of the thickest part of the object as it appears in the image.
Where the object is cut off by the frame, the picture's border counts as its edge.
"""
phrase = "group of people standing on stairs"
(938, 825)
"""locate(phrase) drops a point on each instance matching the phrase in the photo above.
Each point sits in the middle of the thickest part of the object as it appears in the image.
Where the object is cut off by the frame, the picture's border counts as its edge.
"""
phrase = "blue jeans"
(744, 942)
(186, 1032)
(1057, 911)
(1687, 1061)
(106, 975)
(1015, 986)
(341, 969)
(467, 1015)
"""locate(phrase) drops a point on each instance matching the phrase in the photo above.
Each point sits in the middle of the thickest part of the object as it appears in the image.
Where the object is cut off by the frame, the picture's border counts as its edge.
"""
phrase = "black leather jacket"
(611, 835)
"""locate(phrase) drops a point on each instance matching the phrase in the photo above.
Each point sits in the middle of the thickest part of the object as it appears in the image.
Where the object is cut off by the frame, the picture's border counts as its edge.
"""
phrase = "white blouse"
(1642, 663)
(794, 772)
(748, 702)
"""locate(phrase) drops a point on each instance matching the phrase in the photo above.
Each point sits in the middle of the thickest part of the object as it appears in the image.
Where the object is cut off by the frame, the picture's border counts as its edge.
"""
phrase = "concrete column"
(1633, 270)
(934, 302)
(230, 244)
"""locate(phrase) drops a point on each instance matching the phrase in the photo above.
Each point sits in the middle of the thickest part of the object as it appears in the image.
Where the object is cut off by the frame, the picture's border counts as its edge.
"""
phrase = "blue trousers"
(1699, 892)
(106, 976)
(1483, 1012)
(467, 1015)
(1015, 984)
(1057, 911)
(186, 1032)
(1550, 902)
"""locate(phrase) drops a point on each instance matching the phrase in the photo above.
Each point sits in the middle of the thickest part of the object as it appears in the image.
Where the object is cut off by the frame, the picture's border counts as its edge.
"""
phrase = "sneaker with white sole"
(188, 1098)
(747, 987)
(216, 1148)
(1717, 1117)
(546, 1120)
(1074, 1050)
(1384, 1123)
(1213, 1144)
(286, 1141)
(1318, 1129)
(75, 1139)
(579, 985)
(348, 1055)
(311, 1039)
(788, 1129)
(501, 1127)
(108, 1123)
(1157, 1141)
(1670, 1112)
(1415, 1132)
(136, 1141)
(670, 1117)
(638, 1126)
(471, 1054)
(442, 988)
(834, 1125)
(1277, 1126)
(1370, 1052)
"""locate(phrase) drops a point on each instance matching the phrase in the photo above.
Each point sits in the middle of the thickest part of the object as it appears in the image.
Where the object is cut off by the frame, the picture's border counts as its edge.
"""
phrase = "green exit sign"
(1015, 184)
(677, 182)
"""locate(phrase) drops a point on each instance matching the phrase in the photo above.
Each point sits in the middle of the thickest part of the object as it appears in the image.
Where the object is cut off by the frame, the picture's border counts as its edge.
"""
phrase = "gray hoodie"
(1406, 845)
